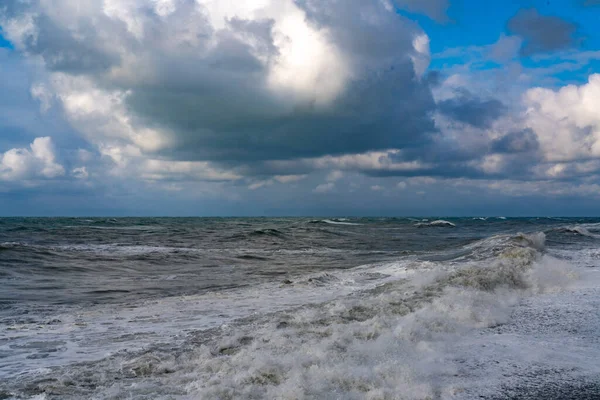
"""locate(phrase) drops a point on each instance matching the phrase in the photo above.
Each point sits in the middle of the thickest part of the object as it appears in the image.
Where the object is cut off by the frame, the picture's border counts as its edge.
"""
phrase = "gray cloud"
(390, 110)
(470, 109)
(516, 142)
(435, 9)
(208, 87)
(542, 33)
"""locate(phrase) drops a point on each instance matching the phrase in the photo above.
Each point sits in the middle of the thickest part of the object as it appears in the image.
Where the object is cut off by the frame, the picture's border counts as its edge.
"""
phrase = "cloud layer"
(223, 96)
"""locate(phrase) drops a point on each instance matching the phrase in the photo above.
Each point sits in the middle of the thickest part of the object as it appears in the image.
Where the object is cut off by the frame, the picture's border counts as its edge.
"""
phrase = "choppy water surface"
(293, 308)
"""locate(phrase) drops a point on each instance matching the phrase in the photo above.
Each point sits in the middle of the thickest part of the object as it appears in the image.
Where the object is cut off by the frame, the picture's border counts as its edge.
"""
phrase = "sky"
(299, 107)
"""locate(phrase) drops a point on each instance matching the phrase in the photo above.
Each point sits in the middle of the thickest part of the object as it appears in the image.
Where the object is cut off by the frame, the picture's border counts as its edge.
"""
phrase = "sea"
(300, 308)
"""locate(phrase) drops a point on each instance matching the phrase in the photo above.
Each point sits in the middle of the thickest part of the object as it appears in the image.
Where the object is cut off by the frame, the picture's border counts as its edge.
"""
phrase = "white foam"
(439, 222)
(582, 230)
(99, 331)
(367, 348)
(338, 222)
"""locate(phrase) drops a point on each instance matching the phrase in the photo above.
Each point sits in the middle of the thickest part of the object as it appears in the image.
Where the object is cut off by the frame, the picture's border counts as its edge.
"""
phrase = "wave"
(12, 245)
(578, 230)
(267, 232)
(336, 221)
(100, 249)
(394, 338)
(437, 223)
(489, 248)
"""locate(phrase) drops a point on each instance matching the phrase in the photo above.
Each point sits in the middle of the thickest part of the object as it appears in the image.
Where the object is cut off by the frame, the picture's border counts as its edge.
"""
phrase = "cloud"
(335, 176)
(324, 188)
(230, 84)
(506, 48)
(542, 33)
(566, 121)
(472, 110)
(36, 162)
(435, 9)
(516, 142)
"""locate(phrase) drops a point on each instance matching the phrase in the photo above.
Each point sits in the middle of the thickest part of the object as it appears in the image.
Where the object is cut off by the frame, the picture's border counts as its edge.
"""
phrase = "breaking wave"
(579, 230)
(437, 223)
(336, 221)
(373, 344)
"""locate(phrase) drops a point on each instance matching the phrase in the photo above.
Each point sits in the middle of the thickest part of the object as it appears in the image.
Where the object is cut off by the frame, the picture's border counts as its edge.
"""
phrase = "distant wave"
(437, 223)
(337, 221)
(579, 230)
(111, 249)
(267, 232)
(11, 245)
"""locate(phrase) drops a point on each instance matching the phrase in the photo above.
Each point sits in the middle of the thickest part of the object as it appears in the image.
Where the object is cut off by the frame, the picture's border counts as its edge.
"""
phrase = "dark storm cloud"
(220, 110)
(542, 33)
(472, 110)
(390, 110)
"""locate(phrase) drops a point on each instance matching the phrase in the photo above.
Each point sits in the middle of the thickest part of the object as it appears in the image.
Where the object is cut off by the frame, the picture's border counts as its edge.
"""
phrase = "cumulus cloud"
(324, 188)
(542, 33)
(221, 82)
(33, 163)
(566, 121)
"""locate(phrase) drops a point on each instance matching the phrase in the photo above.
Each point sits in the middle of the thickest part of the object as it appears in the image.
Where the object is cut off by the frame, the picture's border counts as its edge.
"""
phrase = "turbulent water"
(150, 308)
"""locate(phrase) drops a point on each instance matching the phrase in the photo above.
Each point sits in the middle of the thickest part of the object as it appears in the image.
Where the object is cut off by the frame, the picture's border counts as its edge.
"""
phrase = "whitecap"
(437, 223)
(338, 222)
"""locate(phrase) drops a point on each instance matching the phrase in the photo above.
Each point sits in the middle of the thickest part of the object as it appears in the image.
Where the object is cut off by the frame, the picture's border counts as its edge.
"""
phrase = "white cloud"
(260, 184)
(334, 176)
(324, 188)
(370, 161)
(284, 179)
(37, 162)
(289, 178)
(566, 121)
(422, 56)
(80, 173)
(43, 95)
